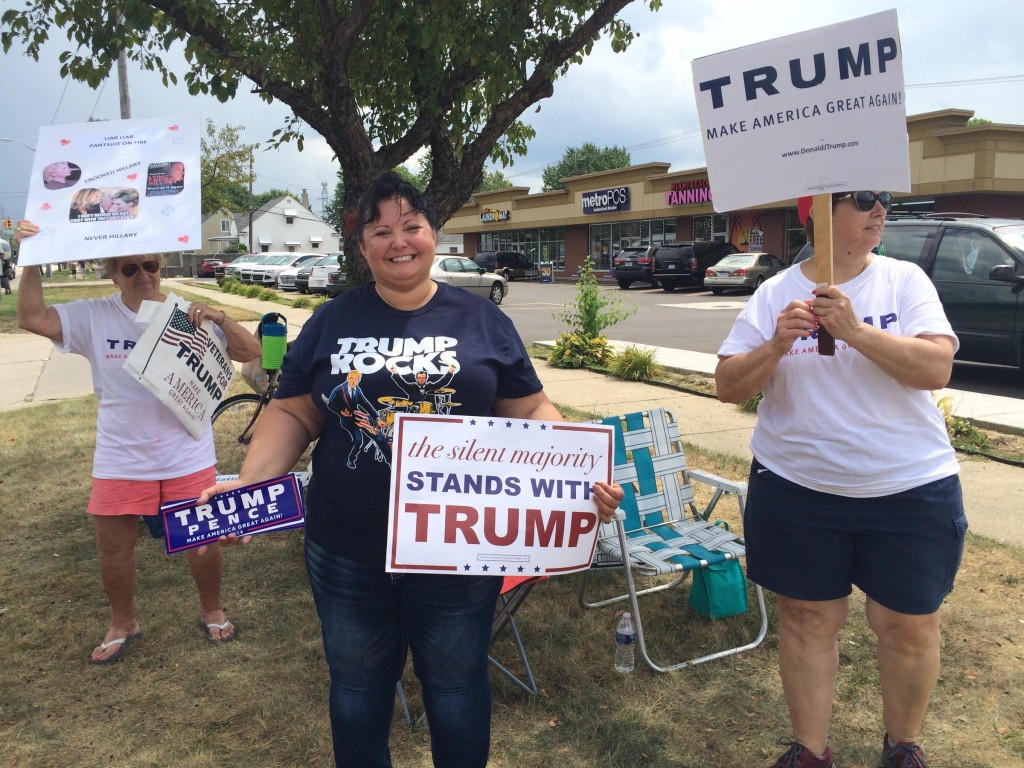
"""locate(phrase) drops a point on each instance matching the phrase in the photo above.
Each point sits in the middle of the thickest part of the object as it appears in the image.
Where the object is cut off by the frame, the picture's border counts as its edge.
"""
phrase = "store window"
(543, 244)
(608, 239)
(796, 237)
(713, 227)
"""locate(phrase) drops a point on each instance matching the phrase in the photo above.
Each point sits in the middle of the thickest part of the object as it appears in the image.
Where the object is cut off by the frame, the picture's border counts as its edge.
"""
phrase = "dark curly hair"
(389, 186)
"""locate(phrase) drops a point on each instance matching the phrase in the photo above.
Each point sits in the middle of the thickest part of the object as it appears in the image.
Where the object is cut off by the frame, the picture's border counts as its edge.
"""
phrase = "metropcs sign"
(606, 200)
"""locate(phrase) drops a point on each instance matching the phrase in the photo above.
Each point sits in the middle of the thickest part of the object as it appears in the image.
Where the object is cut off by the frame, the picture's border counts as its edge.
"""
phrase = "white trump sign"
(185, 366)
(812, 113)
(114, 188)
(491, 496)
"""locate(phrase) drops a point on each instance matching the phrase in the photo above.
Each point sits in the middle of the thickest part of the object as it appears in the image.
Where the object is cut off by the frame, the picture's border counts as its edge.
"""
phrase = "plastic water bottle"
(625, 639)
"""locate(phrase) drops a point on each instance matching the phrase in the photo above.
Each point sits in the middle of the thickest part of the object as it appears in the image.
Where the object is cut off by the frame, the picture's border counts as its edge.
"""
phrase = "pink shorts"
(144, 497)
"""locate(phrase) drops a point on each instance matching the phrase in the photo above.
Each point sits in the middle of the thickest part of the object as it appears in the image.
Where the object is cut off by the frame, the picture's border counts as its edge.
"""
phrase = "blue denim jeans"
(369, 618)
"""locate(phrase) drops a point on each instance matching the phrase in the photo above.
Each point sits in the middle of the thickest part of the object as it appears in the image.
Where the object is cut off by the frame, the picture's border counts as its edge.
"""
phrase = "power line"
(102, 86)
(976, 81)
(66, 81)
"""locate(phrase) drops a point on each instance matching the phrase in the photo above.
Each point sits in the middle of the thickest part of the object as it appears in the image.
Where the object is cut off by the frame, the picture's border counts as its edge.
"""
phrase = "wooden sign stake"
(822, 215)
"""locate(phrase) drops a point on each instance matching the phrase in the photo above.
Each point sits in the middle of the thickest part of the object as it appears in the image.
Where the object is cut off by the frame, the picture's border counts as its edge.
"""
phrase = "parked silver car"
(465, 273)
(741, 270)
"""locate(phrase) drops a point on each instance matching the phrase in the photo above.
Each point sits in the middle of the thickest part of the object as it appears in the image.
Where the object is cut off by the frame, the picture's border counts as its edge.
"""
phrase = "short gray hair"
(110, 264)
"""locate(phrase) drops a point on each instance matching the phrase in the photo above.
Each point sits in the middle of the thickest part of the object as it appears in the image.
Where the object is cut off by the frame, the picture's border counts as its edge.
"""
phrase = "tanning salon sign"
(811, 113)
(490, 496)
(114, 188)
(184, 366)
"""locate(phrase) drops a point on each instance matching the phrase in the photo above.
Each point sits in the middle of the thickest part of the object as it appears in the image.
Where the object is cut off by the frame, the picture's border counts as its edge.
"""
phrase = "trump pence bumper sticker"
(270, 505)
(490, 496)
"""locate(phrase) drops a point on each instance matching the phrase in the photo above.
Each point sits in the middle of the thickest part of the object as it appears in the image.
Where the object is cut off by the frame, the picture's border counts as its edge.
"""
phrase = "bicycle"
(234, 421)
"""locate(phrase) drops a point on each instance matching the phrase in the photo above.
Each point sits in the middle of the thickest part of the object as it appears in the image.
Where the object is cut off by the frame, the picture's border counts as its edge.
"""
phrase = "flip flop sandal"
(206, 629)
(123, 642)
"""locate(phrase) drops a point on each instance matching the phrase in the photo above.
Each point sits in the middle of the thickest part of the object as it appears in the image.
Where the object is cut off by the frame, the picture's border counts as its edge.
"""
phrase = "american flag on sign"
(181, 330)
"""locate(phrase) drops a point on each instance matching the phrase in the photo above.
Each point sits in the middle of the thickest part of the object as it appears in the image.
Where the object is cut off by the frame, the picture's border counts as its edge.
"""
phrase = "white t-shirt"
(840, 424)
(137, 436)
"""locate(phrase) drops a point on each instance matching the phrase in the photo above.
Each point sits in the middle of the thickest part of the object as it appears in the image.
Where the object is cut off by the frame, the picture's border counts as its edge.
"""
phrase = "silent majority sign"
(490, 496)
(812, 113)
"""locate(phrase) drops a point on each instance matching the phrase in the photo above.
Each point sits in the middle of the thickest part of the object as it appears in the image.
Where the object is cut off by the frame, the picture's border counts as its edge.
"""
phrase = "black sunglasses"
(865, 199)
(130, 270)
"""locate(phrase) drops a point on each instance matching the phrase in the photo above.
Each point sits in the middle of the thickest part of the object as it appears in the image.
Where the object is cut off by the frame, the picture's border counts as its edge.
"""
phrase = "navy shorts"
(902, 550)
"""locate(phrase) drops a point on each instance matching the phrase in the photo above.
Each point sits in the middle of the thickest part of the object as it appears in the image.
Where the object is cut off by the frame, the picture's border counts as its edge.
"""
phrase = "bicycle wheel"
(233, 424)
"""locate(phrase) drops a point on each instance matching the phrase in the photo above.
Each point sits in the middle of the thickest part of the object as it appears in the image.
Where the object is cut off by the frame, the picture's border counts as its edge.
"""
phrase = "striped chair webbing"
(662, 539)
(670, 548)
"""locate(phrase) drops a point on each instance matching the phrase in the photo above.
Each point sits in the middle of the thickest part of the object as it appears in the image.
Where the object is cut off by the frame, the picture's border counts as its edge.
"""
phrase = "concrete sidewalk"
(35, 372)
(1001, 414)
(993, 493)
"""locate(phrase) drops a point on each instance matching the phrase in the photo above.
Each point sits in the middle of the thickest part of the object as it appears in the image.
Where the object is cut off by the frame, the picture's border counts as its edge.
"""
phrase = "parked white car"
(466, 273)
(265, 271)
(329, 276)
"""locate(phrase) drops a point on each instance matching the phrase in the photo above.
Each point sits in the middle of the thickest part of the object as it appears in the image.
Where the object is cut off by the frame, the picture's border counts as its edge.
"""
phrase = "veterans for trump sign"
(812, 113)
(114, 188)
(186, 367)
(490, 496)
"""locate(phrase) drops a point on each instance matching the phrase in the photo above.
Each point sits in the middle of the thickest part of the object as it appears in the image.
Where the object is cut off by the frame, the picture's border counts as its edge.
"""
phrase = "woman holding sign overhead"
(338, 384)
(144, 455)
(853, 479)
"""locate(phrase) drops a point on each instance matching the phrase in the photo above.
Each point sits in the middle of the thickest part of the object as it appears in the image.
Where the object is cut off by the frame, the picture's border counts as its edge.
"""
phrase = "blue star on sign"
(543, 427)
(526, 425)
(508, 424)
(503, 569)
(537, 569)
(465, 567)
(490, 423)
(472, 422)
(520, 569)
(485, 569)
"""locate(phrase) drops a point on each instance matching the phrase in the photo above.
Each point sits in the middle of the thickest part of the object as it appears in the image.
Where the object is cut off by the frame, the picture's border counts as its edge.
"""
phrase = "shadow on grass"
(179, 700)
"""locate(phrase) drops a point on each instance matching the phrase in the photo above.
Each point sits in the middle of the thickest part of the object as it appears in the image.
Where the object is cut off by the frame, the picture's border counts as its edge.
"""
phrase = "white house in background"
(219, 231)
(448, 244)
(284, 224)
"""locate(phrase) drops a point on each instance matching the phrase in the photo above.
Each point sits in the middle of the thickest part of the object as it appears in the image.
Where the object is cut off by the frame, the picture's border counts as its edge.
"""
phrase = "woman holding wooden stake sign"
(343, 381)
(144, 455)
(853, 480)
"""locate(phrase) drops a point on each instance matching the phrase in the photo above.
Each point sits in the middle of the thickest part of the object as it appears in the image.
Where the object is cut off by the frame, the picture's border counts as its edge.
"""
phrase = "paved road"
(693, 320)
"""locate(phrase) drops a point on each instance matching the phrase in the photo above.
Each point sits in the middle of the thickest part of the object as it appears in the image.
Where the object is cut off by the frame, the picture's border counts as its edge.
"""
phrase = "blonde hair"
(110, 264)
(81, 197)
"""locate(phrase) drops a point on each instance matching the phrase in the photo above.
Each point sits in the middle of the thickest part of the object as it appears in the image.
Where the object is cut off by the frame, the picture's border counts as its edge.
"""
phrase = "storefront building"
(953, 168)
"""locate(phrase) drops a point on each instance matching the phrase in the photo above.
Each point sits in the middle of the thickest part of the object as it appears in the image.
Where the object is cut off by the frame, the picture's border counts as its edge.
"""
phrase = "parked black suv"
(977, 266)
(678, 264)
(509, 264)
(633, 264)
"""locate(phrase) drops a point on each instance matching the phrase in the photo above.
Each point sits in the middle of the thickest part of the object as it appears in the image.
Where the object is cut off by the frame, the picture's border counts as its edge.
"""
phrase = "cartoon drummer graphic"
(421, 390)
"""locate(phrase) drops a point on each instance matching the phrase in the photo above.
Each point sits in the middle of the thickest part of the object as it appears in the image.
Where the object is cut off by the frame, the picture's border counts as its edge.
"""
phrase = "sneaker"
(798, 756)
(902, 755)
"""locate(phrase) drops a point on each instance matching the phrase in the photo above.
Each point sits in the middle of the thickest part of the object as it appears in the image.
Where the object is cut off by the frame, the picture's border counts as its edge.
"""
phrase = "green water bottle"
(274, 331)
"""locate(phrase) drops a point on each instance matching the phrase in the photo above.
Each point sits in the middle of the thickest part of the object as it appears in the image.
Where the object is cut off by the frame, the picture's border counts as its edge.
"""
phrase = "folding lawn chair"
(514, 591)
(652, 526)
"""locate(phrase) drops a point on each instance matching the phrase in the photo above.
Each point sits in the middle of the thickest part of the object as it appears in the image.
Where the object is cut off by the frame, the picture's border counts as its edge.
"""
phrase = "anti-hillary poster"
(114, 188)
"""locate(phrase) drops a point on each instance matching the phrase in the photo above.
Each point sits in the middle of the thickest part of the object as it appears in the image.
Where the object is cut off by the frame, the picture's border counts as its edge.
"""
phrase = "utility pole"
(122, 79)
(251, 177)
(323, 200)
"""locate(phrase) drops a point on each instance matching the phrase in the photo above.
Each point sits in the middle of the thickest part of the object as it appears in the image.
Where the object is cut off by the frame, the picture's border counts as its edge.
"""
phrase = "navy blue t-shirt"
(362, 361)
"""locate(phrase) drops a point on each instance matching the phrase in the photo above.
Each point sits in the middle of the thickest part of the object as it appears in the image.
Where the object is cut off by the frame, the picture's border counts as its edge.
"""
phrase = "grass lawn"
(180, 700)
(62, 294)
